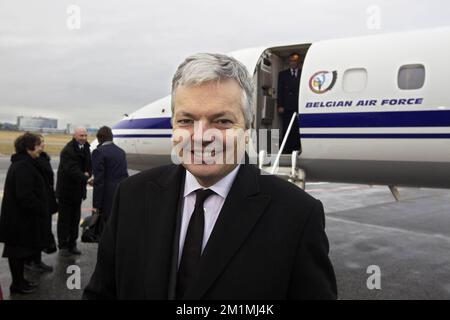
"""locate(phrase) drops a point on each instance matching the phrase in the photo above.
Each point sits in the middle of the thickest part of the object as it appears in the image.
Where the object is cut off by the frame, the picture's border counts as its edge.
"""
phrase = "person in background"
(109, 166)
(288, 87)
(24, 211)
(46, 169)
(74, 173)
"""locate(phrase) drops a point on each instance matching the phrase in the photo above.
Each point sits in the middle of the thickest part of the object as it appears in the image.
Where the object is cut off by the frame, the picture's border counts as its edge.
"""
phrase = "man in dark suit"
(288, 86)
(109, 166)
(74, 172)
(211, 228)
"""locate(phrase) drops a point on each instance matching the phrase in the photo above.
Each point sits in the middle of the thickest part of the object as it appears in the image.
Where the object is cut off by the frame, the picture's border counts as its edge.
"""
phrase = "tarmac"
(380, 248)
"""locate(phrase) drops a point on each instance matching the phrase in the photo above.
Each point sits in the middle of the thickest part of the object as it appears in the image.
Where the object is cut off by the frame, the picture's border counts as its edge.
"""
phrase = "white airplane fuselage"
(372, 110)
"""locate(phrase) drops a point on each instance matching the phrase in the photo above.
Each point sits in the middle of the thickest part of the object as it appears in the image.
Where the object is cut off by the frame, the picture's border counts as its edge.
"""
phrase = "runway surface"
(408, 242)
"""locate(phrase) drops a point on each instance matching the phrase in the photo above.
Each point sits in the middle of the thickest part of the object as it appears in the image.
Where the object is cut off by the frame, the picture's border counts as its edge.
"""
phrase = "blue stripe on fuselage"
(327, 135)
(146, 123)
(375, 135)
(434, 118)
(392, 119)
(131, 135)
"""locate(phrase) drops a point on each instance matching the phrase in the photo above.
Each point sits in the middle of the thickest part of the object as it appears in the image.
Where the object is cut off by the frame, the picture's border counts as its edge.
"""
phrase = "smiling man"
(212, 226)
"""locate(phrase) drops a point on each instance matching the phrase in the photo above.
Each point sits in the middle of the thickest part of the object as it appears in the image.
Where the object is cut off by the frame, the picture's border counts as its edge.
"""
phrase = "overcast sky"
(125, 52)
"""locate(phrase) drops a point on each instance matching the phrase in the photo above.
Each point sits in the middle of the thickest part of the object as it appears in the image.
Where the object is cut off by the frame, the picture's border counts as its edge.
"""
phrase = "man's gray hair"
(204, 67)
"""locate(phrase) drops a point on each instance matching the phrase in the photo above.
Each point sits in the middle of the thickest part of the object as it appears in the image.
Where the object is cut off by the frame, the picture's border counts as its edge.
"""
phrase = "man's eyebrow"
(214, 115)
(185, 114)
(221, 114)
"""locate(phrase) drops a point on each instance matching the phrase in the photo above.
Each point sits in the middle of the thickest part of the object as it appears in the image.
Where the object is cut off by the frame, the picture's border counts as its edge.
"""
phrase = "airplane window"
(355, 80)
(411, 77)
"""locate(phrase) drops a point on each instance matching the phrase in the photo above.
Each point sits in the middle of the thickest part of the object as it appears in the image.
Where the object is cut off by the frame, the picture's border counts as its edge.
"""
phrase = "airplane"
(372, 110)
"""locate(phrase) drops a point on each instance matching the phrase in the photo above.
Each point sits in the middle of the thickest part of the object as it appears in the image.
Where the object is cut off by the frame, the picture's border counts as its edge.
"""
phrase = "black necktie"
(192, 249)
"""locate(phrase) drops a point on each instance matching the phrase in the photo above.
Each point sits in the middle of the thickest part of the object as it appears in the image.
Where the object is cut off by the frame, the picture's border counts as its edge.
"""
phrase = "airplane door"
(264, 107)
(268, 122)
(253, 143)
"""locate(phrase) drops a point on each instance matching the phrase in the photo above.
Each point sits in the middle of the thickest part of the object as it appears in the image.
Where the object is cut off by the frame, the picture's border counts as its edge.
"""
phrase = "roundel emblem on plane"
(322, 81)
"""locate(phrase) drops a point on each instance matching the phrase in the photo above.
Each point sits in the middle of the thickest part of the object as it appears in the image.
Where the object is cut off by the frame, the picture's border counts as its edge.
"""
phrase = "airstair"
(284, 165)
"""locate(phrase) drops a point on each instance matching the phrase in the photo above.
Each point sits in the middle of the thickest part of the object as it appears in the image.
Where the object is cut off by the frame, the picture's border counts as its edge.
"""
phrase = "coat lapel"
(161, 216)
(243, 207)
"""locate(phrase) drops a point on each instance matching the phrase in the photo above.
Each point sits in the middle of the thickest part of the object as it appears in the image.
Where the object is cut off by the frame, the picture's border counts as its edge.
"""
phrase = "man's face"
(41, 146)
(294, 61)
(80, 136)
(211, 117)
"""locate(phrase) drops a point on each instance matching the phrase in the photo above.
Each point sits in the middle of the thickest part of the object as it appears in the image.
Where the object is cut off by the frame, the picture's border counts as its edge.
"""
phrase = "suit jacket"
(71, 183)
(268, 242)
(288, 87)
(109, 166)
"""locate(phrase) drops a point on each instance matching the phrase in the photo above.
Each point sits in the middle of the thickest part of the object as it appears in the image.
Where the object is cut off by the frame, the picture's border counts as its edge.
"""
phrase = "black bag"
(91, 228)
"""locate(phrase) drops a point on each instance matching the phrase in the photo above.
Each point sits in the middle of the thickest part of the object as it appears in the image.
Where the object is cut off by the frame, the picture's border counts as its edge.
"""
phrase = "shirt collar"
(221, 187)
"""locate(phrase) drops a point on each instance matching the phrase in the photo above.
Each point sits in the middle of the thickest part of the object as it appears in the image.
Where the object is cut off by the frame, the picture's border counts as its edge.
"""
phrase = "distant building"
(8, 126)
(70, 128)
(36, 123)
(92, 131)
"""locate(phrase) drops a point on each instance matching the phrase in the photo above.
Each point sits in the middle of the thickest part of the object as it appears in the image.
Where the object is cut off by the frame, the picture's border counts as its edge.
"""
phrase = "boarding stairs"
(284, 165)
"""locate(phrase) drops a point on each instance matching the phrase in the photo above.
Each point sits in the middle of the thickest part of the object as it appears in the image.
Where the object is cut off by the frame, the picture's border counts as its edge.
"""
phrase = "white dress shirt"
(212, 206)
(294, 72)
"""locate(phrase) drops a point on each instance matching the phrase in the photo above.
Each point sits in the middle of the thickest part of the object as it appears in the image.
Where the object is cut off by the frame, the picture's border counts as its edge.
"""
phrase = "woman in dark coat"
(46, 170)
(24, 211)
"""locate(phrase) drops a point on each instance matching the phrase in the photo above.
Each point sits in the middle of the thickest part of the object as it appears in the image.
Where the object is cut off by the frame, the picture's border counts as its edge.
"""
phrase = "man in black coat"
(212, 227)
(288, 87)
(109, 166)
(74, 172)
